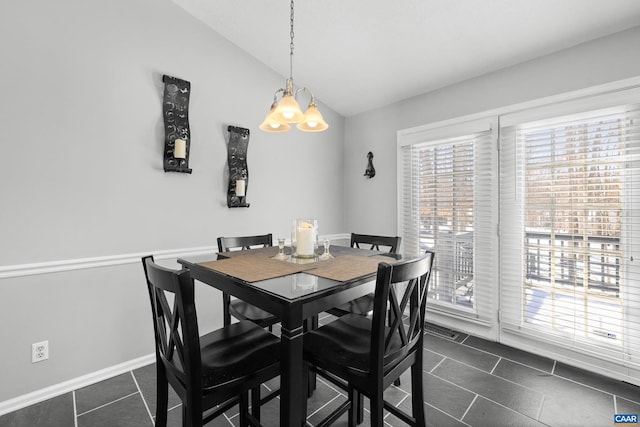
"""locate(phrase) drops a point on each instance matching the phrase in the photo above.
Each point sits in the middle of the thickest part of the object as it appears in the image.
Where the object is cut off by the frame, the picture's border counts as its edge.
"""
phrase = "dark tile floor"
(467, 381)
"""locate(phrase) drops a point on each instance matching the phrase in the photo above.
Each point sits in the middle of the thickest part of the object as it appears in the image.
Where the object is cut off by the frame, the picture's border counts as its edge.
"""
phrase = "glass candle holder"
(281, 256)
(304, 238)
(326, 254)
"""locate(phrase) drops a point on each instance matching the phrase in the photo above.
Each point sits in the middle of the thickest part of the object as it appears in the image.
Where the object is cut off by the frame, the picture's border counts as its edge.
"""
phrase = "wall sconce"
(370, 171)
(238, 171)
(177, 137)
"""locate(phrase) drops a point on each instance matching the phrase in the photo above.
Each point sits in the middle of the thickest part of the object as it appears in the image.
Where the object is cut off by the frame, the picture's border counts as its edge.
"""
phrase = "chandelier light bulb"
(288, 110)
(312, 121)
(271, 125)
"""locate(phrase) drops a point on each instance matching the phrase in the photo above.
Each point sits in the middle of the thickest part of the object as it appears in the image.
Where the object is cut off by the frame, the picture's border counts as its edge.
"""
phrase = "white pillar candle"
(180, 149)
(240, 187)
(305, 237)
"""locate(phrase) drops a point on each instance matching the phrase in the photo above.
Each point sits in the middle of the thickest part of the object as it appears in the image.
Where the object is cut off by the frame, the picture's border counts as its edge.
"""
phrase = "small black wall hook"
(370, 172)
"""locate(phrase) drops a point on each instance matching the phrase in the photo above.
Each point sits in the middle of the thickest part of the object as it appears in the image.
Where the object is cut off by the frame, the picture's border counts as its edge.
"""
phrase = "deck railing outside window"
(591, 261)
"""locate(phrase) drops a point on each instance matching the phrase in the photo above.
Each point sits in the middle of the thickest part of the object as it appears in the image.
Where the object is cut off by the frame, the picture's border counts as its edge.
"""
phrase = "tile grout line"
(107, 404)
(539, 414)
(445, 413)
(75, 409)
(324, 406)
(142, 397)
(437, 364)
(491, 354)
(492, 371)
(227, 418)
(470, 405)
(485, 397)
(334, 389)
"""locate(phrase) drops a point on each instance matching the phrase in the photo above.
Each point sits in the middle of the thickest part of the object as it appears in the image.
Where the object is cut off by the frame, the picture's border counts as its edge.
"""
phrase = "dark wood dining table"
(298, 290)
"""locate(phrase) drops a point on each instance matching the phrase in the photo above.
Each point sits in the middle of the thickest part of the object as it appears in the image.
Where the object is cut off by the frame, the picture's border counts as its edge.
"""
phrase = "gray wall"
(82, 142)
(601, 61)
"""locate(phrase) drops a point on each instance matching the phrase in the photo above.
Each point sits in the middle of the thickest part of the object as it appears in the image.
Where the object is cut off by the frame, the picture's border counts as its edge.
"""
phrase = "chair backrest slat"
(226, 244)
(175, 325)
(390, 242)
(399, 285)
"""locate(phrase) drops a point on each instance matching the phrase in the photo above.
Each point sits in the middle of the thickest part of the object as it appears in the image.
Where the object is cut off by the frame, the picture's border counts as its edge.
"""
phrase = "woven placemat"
(348, 267)
(255, 268)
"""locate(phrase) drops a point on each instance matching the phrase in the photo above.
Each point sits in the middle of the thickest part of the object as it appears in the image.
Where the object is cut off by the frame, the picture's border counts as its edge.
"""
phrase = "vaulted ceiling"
(357, 55)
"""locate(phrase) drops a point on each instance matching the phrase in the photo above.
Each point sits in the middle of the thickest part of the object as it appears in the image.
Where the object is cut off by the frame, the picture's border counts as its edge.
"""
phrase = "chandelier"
(285, 112)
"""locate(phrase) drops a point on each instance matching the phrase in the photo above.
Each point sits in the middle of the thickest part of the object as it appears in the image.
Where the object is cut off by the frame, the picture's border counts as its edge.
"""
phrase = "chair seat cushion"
(236, 350)
(342, 345)
(251, 312)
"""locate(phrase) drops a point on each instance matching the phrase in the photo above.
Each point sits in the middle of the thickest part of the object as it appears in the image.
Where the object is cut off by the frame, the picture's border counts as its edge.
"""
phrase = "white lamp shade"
(312, 120)
(288, 111)
(271, 125)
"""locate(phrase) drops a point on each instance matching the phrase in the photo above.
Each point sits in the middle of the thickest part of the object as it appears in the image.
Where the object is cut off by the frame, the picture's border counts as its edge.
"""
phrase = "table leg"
(291, 374)
(311, 324)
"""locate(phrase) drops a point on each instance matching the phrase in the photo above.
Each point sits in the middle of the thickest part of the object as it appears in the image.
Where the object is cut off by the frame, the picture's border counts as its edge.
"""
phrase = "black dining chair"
(390, 244)
(211, 373)
(364, 304)
(365, 355)
(236, 307)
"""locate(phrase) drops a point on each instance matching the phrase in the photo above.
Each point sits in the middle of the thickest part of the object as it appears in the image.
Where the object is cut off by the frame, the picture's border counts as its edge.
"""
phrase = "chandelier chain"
(291, 46)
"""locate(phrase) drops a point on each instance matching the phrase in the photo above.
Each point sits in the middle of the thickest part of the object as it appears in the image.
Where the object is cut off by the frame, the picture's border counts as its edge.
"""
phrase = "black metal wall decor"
(370, 172)
(177, 137)
(238, 172)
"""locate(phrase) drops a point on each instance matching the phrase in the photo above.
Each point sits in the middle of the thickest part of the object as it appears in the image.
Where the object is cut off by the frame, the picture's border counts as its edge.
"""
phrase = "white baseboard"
(73, 384)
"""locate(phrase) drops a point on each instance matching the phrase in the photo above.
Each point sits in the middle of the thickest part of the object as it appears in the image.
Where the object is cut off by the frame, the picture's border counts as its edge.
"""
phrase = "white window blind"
(446, 206)
(570, 231)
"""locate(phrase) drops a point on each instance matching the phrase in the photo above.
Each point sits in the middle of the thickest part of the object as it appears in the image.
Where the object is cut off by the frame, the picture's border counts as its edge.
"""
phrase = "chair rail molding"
(96, 262)
(48, 267)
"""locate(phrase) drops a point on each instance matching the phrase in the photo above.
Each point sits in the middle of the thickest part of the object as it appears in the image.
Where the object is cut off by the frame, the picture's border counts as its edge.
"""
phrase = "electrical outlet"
(39, 351)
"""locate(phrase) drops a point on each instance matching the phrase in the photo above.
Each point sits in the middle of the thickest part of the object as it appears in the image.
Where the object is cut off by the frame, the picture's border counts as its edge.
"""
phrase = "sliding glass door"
(534, 217)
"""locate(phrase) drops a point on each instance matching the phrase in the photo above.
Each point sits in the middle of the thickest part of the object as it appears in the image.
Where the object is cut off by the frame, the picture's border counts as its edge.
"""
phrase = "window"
(570, 224)
(446, 207)
(446, 217)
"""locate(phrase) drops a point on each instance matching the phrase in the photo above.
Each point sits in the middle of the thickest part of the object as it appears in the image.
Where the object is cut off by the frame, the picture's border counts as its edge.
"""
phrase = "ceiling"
(356, 55)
